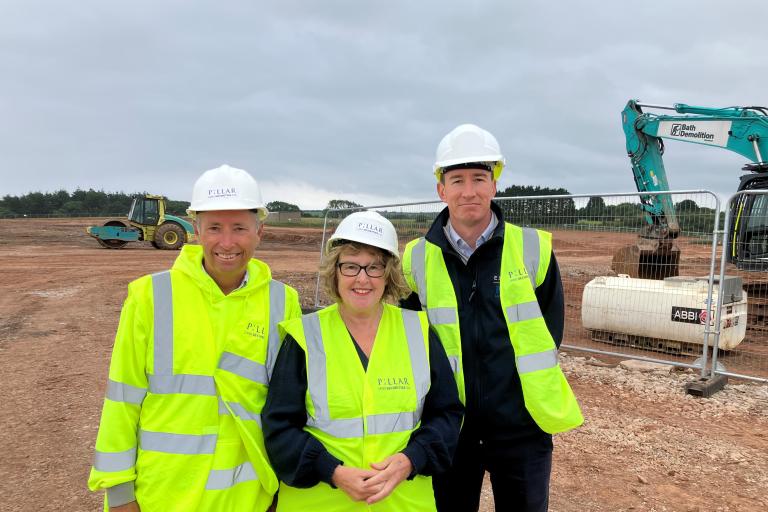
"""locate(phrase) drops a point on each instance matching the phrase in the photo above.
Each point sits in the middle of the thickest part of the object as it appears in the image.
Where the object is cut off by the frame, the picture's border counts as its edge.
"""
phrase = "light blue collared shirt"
(463, 248)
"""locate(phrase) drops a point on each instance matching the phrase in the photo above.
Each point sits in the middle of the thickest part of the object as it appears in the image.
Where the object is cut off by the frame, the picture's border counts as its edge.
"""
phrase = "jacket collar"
(190, 262)
(436, 235)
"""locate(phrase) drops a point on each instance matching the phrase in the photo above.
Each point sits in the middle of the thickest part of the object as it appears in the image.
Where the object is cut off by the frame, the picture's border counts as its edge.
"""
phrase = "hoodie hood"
(190, 263)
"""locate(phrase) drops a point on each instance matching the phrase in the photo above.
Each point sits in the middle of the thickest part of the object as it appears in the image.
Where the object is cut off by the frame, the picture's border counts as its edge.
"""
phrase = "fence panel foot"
(706, 387)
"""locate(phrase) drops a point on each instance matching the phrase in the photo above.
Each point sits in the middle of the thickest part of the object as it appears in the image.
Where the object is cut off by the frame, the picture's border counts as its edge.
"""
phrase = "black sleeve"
(551, 301)
(411, 302)
(297, 457)
(432, 445)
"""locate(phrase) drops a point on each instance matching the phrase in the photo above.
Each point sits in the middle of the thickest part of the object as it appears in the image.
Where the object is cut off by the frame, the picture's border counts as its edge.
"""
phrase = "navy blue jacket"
(300, 460)
(495, 409)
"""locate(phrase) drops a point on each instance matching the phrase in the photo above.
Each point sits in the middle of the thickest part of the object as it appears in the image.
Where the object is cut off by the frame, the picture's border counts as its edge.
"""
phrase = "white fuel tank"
(662, 315)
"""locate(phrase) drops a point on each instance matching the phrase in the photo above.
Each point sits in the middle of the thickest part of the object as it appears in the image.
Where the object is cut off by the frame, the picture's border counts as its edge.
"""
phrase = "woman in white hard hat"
(362, 405)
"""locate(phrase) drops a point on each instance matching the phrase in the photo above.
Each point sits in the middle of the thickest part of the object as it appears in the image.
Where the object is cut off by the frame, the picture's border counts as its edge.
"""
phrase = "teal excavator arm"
(743, 130)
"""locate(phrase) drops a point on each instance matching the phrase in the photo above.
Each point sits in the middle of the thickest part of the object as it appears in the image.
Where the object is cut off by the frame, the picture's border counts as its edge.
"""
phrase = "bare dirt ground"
(645, 445)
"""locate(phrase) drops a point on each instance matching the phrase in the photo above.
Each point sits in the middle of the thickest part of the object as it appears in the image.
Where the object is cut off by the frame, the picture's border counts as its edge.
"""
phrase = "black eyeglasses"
(353, 269)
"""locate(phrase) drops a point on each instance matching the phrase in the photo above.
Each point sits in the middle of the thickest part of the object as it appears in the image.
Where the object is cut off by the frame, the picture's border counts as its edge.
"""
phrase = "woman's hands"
(391, 471)
(373, 485)
(353, 481)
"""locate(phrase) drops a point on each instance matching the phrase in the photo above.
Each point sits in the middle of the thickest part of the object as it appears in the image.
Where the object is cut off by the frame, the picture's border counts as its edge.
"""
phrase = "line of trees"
(92, 202)
(97, 203)
(282, 206)
(537, 211)
(528, 190)
(333, 204)
(691, 217)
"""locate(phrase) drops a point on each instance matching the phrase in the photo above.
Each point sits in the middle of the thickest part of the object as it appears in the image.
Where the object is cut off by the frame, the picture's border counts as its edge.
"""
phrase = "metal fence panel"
(648, 319)
(667, 321)
(747, 214)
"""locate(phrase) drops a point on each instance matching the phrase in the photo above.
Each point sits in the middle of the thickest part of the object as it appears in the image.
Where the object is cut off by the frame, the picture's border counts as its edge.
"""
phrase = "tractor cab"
(147, 210)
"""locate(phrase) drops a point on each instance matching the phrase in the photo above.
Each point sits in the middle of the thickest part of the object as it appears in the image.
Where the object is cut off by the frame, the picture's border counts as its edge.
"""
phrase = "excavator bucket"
(648, 259)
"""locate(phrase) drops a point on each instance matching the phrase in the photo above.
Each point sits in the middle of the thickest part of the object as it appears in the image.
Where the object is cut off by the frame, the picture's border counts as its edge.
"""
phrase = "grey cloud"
(353, 97)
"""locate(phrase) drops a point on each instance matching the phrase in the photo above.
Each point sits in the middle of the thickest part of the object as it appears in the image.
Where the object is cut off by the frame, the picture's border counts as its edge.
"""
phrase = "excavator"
(655, 257)
(743, 130)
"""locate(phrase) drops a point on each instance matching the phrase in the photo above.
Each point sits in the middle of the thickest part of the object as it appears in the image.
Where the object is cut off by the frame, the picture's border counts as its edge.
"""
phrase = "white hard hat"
(468, 144)
(227, 188)
(368, 228)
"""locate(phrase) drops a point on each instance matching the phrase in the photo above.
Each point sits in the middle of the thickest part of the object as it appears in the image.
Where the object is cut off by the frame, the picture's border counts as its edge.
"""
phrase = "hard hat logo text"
(370, 228)
(222, 192)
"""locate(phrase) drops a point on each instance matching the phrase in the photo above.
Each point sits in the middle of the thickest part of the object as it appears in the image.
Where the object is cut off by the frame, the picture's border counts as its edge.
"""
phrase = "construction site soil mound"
(645, 444)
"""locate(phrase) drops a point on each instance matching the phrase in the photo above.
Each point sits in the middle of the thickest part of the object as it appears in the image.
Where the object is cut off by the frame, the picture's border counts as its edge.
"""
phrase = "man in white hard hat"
(181, 428)
(493, 294)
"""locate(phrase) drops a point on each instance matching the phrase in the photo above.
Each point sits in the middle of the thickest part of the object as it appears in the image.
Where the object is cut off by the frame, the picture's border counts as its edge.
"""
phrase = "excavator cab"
(749, 235)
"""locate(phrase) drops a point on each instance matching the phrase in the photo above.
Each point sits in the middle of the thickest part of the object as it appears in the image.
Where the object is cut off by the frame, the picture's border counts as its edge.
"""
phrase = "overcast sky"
(332, 99)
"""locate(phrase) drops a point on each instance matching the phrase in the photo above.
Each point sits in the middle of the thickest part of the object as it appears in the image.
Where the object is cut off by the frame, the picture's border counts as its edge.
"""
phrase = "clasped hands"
(375, 484)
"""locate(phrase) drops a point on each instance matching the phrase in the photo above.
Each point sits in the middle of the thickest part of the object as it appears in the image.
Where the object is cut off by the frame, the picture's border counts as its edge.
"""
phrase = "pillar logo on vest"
(392, 383)
(517, 274)
(256, 330)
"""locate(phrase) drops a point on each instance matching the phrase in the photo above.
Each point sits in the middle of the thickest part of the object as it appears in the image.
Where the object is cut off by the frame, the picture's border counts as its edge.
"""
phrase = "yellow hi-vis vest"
(363, 416)
(181, 426)
(524, 263)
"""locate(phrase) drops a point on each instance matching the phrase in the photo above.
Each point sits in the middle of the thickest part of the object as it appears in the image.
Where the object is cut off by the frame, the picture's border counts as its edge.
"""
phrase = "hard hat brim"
(456, 161)
(498, 166)
(261, 211)
(334, 242)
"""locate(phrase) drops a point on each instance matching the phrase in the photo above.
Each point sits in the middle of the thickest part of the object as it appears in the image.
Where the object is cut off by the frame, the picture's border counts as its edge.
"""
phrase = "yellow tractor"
(148, 221)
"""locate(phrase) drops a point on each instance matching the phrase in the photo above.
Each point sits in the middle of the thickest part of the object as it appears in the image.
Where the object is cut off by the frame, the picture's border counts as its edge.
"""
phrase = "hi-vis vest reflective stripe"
(363, 416)
(548, 397)
(178, 403)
